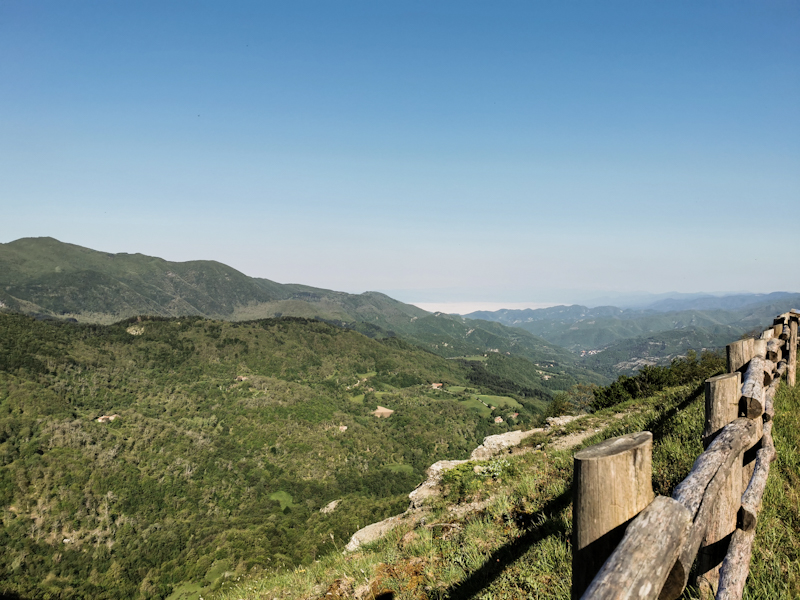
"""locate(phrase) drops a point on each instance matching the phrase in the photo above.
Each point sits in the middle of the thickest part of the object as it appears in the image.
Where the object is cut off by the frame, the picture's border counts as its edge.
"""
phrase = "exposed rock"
(491, 446)
(430, 487)
(459, 511)
(370, 533)
(329, 507)
(106, 418)
(341, 588)
(495, 444)
(561, 421)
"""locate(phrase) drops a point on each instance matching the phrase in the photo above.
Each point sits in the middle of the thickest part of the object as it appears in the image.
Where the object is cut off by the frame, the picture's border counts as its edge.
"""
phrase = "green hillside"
(630, 355)
(49, 277)
(228, 439)
(45, 277)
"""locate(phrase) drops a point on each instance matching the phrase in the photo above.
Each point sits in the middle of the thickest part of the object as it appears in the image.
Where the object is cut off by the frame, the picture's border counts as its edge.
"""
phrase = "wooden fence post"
(612, 483)
(739, 354)
(722, 407)
(792, 363)
(722, 403)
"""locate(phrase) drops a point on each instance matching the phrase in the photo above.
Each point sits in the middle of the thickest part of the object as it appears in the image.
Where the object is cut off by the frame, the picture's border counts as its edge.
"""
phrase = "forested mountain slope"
(615, 340)
(46, 277)
(226, 441)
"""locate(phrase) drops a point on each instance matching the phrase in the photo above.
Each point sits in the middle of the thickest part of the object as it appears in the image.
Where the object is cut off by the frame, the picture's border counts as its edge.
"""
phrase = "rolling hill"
(46, 277)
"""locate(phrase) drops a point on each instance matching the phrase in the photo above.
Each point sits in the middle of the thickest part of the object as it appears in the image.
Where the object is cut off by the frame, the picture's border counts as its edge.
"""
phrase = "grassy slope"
(519, 546)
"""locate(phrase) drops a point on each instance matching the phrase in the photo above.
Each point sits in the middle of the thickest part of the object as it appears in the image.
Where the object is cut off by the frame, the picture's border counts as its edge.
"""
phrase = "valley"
(169, 428)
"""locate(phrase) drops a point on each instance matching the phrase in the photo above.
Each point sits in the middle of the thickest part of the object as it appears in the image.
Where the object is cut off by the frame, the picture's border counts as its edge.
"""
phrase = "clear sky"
(505, 152)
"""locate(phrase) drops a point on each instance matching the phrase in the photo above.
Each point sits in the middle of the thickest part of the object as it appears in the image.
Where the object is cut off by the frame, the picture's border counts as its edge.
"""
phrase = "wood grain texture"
(792, 362)
(751, 499)
(718, 523)
(640, 564)
(722, 403)
(725, 448)
(711, 473)
(753, 387)
(736, 566)
(612, 484)
(750, 451)
(774, 349)
(739, 354)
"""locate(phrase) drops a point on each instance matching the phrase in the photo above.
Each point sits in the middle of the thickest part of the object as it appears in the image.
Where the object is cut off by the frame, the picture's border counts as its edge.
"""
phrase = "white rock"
(329, 507)
(561, 421)
(430, 486)
(495, 444)
(370, 533)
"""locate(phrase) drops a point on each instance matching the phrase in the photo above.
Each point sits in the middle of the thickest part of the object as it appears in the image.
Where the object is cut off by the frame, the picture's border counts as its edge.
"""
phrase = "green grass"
(217, 570)
(775, 566)
(400, 468)
(501, 401)
(186, 591)
(478, 402)
(284, 498)
(477, 406)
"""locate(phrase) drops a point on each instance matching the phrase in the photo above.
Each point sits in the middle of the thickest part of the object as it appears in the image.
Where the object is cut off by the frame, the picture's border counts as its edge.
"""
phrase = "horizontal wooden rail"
(713, 513)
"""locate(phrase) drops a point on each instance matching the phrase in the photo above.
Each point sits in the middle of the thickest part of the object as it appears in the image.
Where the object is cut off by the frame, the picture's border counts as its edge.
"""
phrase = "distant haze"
(445, 152)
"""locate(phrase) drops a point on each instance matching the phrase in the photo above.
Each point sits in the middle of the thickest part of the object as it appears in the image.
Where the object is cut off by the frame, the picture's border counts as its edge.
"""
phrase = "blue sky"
(499, 152)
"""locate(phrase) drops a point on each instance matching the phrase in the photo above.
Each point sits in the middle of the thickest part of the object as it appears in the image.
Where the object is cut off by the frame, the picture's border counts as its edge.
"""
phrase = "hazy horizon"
(441, 153)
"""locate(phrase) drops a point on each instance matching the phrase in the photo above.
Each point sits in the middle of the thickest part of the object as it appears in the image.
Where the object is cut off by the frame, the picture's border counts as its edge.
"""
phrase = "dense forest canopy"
(218, 444)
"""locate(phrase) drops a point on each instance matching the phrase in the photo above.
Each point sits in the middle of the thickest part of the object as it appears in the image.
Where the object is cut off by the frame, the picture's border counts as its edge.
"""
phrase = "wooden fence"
(629, 544)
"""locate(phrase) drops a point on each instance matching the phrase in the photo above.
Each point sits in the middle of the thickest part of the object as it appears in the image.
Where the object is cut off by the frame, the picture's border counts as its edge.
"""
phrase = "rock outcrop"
(496, 444)
(492, 446)
(370, 533)
(430, 487)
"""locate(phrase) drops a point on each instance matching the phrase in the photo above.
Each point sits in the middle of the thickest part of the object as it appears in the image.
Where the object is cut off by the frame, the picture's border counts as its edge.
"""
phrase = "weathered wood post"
(739, 354)
(722, 407)
(613, 482)
(722, 403)
(792, 362)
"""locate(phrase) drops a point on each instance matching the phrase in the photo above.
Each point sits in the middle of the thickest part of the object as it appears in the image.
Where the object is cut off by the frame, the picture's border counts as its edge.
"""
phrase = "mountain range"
(569, 344)
(49, 278)
(616, 340)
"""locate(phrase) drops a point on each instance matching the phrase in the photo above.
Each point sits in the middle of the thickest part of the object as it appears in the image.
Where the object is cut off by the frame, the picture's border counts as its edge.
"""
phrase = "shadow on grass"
(505, 556)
